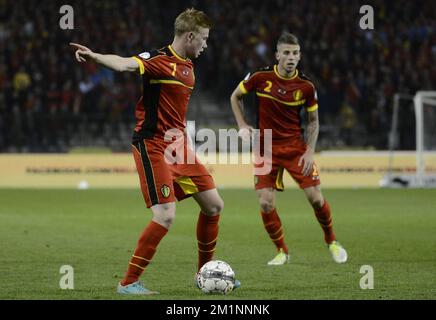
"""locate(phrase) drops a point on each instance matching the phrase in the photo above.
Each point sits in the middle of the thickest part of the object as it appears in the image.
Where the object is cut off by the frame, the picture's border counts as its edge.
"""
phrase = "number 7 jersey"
(280, 100)
(168, 82)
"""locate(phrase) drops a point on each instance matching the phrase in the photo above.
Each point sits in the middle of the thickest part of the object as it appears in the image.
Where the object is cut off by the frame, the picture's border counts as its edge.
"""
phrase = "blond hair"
(191, 20)
(287, 38)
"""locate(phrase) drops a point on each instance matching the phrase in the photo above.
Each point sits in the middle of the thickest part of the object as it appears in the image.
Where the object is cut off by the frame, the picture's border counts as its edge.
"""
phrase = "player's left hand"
(307, 161)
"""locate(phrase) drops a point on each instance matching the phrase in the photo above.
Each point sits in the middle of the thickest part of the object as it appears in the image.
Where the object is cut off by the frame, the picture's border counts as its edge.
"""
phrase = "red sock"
(144, 252)
(325, 220)
(273, 226)
(207, 236)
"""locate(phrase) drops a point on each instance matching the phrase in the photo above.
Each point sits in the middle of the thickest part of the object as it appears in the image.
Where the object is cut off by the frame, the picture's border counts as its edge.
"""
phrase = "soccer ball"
(216, 277)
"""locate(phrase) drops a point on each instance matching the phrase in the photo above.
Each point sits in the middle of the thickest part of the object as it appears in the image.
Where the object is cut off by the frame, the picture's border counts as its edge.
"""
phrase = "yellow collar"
(175, 54)
(276, 71)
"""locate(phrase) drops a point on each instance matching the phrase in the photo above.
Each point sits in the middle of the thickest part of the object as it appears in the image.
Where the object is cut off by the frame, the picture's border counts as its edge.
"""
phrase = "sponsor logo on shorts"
(256, 179)
(165, 191)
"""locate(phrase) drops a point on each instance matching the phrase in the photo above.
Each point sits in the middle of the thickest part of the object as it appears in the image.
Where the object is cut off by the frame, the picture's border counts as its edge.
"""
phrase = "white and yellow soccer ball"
(216, 276)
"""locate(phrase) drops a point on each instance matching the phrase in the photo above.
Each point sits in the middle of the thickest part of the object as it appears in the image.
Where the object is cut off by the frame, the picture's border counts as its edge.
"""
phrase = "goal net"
(413, 128)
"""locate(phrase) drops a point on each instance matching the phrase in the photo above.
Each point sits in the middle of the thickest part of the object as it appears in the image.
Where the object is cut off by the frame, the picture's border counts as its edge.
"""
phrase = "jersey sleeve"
(146, 63)
(312, 99)
(249, 83)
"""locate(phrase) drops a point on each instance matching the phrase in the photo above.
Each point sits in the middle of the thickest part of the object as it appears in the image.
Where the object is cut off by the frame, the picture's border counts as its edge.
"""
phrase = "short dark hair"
(287, 38)
(190, 20)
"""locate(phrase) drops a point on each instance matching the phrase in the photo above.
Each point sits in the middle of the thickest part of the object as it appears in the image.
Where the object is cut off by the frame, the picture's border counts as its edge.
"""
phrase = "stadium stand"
(49, 103)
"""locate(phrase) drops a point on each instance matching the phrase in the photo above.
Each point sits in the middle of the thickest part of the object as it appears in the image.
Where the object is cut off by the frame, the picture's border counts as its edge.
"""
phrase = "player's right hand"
(245, 132)
(82, 52)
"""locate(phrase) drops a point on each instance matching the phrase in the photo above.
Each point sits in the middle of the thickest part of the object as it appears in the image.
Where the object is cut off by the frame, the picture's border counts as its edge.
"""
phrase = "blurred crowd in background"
(50, 103)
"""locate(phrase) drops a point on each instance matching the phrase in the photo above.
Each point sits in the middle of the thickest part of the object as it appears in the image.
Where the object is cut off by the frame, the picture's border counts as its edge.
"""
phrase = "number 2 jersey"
(279, 101)
(168, 82)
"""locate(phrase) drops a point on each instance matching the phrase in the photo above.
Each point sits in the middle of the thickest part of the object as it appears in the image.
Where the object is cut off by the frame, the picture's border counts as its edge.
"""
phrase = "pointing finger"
(79, 46)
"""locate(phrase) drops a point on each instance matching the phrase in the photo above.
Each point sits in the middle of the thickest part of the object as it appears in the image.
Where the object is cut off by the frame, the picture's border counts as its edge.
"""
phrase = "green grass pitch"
(95, 231)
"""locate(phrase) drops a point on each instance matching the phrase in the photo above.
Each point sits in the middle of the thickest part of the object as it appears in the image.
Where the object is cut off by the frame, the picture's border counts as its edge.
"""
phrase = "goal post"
(425, 118)
(418, 111)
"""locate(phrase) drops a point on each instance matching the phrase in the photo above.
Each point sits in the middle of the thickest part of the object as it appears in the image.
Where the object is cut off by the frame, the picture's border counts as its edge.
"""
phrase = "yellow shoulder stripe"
(242, 87)
(312, 108)
(141, 66)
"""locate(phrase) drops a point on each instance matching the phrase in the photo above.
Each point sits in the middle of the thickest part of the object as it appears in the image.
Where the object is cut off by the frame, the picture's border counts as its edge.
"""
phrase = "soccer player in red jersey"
(281, 92)
(168, 81)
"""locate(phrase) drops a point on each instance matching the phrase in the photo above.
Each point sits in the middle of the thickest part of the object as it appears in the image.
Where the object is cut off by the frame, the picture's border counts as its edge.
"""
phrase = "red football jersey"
(280, 101)
(168, 81)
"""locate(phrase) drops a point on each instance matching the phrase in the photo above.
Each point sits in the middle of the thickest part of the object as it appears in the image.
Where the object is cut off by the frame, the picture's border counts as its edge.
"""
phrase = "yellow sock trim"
(273, 234)
(206, 250)
(136, 265)
(141, 258)
(278, 238)
(205, 244)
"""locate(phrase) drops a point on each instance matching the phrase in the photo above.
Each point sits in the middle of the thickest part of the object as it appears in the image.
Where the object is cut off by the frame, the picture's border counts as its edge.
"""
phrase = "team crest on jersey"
(281, 91)
(145, 55)
(185, 73)
(165, 190)
(297, 94)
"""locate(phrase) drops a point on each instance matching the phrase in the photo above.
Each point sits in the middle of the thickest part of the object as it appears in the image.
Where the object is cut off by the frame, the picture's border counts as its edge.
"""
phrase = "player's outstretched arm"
(111, 61)
(237, 107)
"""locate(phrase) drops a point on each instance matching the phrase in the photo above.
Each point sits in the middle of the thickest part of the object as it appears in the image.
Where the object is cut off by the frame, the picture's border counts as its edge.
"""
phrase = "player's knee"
(165, 215)
(166, 219)
(169, 222)
(266, 201)
(266, 205)
(214, 208)
(315, 198)
(316, 202)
